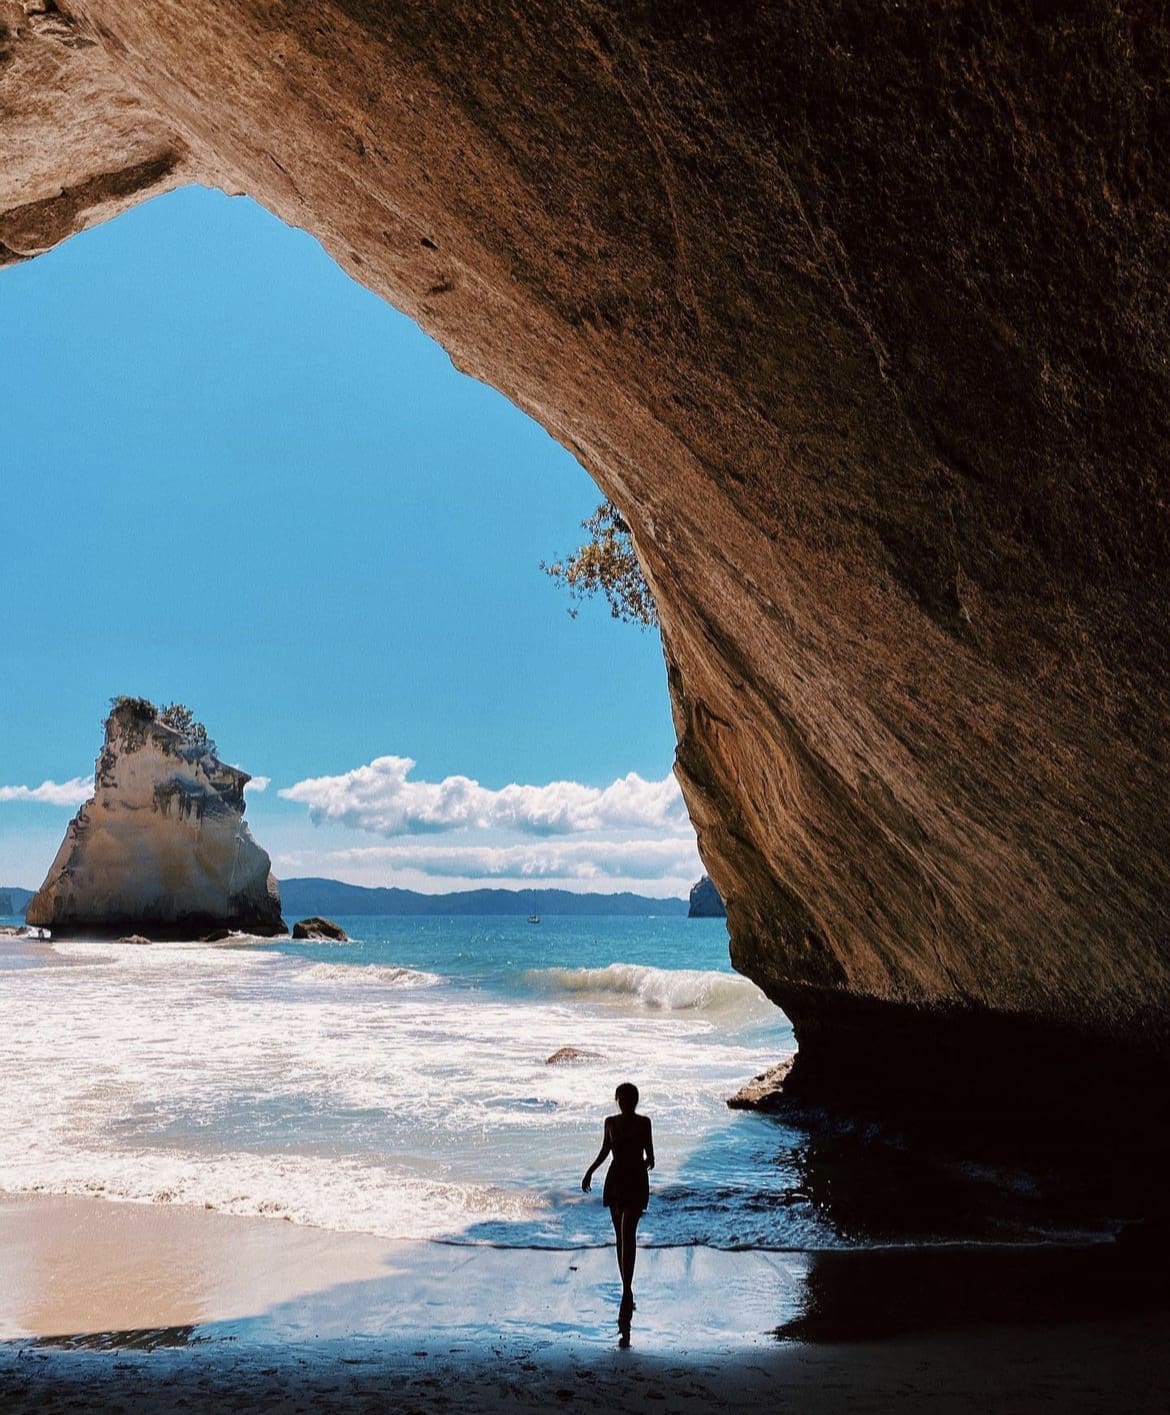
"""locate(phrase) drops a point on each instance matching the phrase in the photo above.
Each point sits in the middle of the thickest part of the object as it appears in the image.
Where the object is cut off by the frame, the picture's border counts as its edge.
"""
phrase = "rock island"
(161, 848)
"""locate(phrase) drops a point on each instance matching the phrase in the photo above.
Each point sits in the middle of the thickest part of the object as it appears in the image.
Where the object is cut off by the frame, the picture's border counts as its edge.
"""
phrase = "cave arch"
(862, 324)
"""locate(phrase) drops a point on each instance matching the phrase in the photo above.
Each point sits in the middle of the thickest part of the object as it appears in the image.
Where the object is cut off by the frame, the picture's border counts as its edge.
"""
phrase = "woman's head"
(626, 1096)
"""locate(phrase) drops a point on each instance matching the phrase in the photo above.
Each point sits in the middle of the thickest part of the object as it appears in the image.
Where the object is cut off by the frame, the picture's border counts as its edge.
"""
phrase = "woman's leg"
(616, 1215)
(628, 1248)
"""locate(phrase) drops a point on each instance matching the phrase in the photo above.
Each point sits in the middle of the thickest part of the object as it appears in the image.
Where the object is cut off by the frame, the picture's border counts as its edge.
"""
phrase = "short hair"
(626, 1095)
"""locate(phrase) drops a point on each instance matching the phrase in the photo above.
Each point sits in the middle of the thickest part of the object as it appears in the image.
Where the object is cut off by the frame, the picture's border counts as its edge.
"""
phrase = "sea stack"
(706, 902)
(161, 848)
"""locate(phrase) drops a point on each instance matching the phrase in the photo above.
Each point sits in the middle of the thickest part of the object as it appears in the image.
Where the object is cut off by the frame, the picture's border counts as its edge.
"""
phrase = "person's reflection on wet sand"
(628, 1137)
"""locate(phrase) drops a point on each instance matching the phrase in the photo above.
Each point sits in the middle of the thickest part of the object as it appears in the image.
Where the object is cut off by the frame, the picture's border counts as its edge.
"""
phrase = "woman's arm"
(599, 1161)
(648, 1144)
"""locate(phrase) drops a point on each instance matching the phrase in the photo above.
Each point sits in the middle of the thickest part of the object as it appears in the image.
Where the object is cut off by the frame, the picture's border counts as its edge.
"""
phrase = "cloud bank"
(456, 833)
(380, 799)
(601, 860)
(71, 793)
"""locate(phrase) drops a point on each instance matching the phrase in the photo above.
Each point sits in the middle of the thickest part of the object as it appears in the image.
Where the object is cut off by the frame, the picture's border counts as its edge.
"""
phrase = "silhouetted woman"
(627, 1136)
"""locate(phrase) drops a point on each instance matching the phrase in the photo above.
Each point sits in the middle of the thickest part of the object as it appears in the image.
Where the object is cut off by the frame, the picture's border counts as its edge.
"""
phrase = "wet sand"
(148, 1308)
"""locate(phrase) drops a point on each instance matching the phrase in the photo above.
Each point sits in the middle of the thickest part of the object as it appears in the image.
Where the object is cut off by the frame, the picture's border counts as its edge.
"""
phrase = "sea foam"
(403, 1091)
(368, 975)
(658, 989)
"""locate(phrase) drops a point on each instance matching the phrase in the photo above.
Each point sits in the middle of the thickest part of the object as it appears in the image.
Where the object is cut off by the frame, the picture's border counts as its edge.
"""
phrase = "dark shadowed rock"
(324, 929)
(705, 901)
(571, 1056)
(857, 309)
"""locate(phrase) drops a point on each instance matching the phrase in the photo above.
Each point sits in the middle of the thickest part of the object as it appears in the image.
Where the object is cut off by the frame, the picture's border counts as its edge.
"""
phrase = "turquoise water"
(399, 1083)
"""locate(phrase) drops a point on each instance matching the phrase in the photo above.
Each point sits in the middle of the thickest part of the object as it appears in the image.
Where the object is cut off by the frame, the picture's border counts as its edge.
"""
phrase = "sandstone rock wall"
(857, 310)
(161, 849)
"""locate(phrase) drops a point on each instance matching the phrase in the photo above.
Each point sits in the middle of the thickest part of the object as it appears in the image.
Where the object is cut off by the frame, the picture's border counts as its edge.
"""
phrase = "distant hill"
(13, 899)
(300, 897)
(705, 901)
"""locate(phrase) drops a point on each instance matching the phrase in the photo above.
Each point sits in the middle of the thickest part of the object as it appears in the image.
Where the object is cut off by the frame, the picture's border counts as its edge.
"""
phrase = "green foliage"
(607, 564)
(174, 715)
(182, 719)
(140, 709)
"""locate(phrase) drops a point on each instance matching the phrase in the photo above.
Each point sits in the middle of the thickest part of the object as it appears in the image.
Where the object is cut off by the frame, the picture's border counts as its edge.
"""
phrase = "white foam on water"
(334, 1193)
(659, 989)
(369, 975)
(368, 1097)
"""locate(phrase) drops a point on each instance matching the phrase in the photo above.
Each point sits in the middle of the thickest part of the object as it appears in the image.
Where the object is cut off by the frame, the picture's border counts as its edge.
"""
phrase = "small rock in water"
(134, 938)
(316, 928)
(216, 936)
(762, 1092)
(569, 1056)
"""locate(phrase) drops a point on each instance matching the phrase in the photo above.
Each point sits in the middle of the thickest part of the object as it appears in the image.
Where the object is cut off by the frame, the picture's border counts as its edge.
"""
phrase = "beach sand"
(107, 1306)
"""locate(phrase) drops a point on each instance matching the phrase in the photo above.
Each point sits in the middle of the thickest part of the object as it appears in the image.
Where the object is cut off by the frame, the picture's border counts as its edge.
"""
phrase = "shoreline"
(149, 1307)
(80, 1266)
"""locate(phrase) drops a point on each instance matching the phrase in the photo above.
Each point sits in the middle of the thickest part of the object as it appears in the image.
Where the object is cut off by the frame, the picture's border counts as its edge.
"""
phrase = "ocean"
(398, 1084)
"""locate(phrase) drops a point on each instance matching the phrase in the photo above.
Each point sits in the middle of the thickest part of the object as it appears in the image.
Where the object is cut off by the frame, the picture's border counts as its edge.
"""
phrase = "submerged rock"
(134, 938)
(706, 901)
(161, 848)
(320, 929)
(570, 1056)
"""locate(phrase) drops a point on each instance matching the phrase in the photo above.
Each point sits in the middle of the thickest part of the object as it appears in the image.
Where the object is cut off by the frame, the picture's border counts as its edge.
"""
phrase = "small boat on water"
(534, 918)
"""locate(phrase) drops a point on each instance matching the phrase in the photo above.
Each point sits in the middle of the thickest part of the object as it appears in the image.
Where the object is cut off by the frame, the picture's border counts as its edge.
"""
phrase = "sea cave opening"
(275, 500)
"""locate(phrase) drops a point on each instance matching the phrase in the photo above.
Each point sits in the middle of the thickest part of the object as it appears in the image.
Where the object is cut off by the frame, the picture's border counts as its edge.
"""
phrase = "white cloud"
(578, 860)
(53, 793)
(258, 784)
(380, 799)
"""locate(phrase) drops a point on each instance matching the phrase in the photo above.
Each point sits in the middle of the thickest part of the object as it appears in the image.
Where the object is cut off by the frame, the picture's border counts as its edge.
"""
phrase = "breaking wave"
(659, 989)
(383, 975)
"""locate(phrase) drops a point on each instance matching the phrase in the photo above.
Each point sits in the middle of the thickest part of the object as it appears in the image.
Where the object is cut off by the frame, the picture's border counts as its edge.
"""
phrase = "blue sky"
(233, 477)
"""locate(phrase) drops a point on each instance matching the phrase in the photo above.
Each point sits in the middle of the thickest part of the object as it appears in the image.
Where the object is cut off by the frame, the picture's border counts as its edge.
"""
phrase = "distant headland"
(308, 896)
(331, 896)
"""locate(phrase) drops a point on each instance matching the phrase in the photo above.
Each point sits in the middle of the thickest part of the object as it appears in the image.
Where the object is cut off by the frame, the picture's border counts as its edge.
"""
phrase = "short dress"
(627, 1185)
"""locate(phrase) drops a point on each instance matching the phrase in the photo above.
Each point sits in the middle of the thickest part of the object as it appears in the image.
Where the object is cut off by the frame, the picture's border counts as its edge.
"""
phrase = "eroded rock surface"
(161, 850)
(858, 311)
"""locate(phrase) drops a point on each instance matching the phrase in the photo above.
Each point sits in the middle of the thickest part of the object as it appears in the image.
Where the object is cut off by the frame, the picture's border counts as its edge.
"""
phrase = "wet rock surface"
(858, 312)
(571, 1056)
(765, 1091)
(320, 929)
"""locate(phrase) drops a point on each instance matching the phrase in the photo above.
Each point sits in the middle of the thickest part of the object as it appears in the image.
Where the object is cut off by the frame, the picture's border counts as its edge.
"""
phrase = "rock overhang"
(858, 313)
